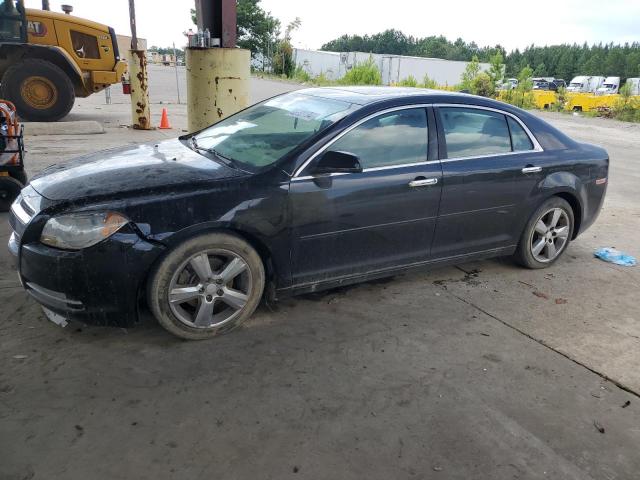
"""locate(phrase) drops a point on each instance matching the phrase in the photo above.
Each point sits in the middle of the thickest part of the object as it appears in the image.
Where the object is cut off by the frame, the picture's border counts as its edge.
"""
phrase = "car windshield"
(261, 135)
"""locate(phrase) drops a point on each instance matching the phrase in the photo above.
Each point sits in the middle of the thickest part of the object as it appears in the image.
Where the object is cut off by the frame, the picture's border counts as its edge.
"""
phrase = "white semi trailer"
(635, 85)
(610, 86)
(585, 84)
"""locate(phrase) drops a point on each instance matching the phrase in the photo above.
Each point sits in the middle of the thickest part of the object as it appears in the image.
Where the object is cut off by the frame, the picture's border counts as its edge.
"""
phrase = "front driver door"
(348, 224)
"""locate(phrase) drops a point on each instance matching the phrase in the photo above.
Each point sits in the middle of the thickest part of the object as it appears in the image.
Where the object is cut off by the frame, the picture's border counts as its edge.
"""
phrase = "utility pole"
(137, 59)
(217, 73)
(175, 64)
(45, 5)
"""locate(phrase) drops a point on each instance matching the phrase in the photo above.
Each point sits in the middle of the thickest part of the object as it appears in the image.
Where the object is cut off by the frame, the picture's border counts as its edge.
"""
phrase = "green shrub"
(410, 81)
(428, 83)
(365, 73)
(483, 85)
(522, 95)
(301, 75)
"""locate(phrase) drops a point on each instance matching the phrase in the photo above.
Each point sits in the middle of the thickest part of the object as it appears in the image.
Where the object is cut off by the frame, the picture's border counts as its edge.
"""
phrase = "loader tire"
(40, 90)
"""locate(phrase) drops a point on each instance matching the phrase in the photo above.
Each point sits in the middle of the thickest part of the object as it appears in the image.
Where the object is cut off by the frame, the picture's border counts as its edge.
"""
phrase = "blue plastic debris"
(615, 256)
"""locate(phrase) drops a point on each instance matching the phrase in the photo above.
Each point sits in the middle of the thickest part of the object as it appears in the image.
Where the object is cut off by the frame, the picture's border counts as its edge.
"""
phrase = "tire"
(20, 176)
(9, 191)
(215, 282)
(554, 240)
(40, 90)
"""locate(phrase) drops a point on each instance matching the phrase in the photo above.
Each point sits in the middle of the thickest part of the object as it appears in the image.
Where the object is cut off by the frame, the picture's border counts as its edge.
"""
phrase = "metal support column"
(137, 59)
(217, 77)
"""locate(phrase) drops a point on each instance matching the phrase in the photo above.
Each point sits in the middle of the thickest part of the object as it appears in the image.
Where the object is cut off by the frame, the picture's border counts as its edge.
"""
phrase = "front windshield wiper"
(226, 160)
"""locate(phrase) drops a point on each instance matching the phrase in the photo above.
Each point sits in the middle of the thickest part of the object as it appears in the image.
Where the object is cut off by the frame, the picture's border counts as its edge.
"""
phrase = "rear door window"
(519, 138)
(473, 132)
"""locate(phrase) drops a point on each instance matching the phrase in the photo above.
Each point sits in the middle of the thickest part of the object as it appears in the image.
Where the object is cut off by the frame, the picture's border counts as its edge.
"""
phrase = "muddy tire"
(40, 90)
(206, 286)
(546, 235)
(20, 176)
(9, 191)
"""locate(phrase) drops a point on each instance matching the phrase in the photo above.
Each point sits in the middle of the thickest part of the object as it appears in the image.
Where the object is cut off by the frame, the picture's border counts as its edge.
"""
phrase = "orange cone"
(164, 121)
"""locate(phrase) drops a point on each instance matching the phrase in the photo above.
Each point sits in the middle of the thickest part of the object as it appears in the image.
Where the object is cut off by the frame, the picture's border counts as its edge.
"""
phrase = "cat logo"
(37, 29)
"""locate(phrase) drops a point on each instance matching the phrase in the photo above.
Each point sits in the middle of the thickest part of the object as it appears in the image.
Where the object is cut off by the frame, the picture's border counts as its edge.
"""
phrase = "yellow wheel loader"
(47, 59)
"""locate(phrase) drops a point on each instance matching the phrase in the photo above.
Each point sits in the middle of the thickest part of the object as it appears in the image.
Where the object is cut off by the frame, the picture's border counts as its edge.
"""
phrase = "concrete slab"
(470, 372)
(77, 127)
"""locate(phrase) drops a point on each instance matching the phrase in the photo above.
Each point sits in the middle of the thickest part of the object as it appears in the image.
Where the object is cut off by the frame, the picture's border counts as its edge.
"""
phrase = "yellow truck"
(47, 59)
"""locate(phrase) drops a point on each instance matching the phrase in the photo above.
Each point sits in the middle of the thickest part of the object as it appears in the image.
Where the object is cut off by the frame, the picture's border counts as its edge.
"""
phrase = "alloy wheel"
(210, 289)
(550, 235)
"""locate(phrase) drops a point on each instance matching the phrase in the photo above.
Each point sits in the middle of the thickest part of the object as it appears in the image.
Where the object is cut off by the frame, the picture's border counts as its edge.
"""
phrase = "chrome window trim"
(534, 141)
(366, 170)
(536, 145)
(355, 125)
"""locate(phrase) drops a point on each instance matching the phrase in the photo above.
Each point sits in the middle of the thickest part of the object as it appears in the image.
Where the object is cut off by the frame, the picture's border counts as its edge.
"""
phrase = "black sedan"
(305, 191)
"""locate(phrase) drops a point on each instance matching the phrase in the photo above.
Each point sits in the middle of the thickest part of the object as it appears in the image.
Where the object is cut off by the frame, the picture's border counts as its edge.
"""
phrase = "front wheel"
(206, 286)
(40, 90)
(547, 234)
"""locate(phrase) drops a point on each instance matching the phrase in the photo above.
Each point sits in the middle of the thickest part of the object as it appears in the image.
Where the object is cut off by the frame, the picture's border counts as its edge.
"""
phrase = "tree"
(470, 73)
(283, 57)
(561, 61)
(496, 68)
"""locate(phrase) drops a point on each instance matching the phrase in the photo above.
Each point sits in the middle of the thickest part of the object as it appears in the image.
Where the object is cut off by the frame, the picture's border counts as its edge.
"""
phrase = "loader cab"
(13, 22)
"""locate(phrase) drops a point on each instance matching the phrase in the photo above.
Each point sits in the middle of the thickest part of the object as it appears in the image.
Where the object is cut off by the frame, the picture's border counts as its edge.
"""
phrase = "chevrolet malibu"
(305, 191)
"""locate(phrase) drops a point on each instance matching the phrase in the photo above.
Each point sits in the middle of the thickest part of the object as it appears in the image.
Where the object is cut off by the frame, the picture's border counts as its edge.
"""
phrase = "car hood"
(121, 171)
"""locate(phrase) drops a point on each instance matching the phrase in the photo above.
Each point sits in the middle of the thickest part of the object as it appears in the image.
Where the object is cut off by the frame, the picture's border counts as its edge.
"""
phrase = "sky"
(511, 23)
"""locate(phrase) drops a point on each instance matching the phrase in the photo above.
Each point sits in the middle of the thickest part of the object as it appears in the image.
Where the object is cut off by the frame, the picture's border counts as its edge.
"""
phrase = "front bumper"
(100, 285)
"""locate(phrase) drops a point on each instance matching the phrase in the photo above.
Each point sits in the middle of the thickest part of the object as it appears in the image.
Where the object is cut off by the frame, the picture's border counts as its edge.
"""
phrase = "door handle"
(531, 169)
(423, 182)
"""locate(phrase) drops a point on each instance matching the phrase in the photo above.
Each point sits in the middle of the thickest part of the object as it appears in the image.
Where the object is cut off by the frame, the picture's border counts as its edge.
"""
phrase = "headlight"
(81, 230)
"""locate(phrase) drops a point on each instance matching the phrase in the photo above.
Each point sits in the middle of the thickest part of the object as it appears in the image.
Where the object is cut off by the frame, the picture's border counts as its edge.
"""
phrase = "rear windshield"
(261, 135)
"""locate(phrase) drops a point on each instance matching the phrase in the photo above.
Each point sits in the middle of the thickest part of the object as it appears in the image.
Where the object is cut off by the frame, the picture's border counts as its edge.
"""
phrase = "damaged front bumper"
(100, 285)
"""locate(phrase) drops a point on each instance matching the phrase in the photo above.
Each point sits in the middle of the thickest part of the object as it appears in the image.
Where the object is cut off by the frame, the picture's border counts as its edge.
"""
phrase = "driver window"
(394, 138)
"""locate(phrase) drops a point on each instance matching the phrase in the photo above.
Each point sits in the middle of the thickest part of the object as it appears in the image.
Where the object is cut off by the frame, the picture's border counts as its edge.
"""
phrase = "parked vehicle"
(610, 86)
(509, 84)
(560, 83)
(47, 59)
(545, 84)
(585, 84)
(306, 191)
(635, 85)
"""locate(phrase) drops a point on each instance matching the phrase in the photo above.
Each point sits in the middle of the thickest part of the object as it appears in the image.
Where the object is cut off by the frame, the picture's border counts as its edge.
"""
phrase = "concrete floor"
(478, 371)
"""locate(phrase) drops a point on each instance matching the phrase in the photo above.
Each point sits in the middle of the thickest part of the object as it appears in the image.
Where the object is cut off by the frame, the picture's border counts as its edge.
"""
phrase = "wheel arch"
(569, 187)
(53, 54)
(246, 234)
(576, 206)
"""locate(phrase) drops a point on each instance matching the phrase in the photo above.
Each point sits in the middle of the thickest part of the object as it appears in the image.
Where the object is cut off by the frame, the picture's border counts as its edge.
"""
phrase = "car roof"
(366, 95)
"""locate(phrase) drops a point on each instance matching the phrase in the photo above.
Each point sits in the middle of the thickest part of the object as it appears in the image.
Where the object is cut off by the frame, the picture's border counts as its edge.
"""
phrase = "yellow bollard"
(217, 84)
(140, 111)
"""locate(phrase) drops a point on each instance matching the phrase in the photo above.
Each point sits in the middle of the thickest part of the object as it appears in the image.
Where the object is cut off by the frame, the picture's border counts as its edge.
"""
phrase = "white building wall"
(393, 68)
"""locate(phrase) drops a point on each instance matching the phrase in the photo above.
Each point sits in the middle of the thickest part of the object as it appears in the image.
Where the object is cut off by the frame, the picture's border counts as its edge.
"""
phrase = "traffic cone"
(164, 121)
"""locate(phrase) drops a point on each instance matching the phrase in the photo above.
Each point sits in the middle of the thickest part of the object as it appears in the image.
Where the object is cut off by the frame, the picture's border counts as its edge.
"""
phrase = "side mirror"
(338, 162)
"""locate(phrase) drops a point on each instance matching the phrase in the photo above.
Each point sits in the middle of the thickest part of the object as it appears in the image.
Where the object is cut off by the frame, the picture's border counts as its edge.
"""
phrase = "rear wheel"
(547, 234)
(40, 90)
(207, 286)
